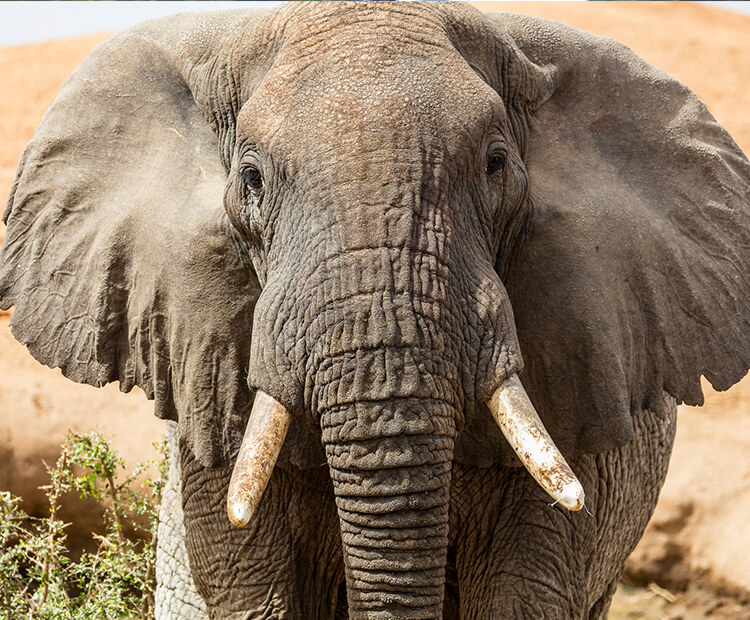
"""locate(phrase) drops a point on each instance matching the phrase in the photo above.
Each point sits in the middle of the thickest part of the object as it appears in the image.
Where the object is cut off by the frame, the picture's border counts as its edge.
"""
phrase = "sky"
(31, 22)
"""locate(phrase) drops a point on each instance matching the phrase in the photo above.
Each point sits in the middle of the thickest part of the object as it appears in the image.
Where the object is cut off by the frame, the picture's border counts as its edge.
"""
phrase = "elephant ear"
(632, 276)
(118, 257)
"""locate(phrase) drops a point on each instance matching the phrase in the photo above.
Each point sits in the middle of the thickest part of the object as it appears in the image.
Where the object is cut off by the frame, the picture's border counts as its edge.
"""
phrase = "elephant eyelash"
(251, 190)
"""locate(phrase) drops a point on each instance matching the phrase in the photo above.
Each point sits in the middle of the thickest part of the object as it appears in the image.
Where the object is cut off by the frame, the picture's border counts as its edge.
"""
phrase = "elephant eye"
(495, 162)
(252, 178)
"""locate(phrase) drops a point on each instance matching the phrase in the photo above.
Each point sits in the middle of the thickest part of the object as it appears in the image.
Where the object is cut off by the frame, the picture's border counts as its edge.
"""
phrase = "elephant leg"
(286, 563)
(176, 596)
(518, 557)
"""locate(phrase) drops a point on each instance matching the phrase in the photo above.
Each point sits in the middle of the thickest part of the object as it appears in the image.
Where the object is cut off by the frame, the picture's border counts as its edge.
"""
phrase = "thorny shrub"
(38, 578)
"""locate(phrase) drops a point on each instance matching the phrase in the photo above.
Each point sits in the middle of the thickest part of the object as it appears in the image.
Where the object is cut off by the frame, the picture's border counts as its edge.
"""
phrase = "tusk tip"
(572, 496)
(239, 513)
(264, 435)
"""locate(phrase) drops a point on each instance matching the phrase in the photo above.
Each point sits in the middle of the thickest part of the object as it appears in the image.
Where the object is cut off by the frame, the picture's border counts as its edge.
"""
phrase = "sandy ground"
(700, 535)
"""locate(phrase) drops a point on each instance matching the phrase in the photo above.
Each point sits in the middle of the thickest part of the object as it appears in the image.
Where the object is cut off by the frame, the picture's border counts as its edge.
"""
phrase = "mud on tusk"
(261, 444)
(520, 423)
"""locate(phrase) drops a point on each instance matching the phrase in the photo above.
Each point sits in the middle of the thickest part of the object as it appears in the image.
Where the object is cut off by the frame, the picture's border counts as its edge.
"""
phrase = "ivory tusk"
(522, 427)
(261, 444)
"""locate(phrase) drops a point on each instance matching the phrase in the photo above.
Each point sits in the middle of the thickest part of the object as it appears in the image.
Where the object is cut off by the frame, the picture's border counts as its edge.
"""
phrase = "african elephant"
(375, 220)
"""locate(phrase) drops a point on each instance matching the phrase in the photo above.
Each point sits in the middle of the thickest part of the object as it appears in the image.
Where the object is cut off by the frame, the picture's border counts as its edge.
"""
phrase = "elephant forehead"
(368, 82)
(359, 107)
(317, 27)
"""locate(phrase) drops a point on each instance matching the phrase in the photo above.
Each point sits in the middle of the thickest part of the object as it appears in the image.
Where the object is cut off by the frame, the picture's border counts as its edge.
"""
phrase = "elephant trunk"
(390, 462)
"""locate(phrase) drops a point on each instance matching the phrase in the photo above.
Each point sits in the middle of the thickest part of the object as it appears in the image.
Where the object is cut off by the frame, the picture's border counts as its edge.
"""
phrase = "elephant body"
(334, 242)
(504, 560)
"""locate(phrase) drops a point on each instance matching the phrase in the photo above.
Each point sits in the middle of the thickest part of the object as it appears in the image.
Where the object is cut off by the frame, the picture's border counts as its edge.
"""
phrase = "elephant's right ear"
(118, 256)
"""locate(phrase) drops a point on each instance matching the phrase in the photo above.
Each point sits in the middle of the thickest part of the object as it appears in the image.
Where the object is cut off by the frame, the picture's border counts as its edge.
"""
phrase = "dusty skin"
(696, 534)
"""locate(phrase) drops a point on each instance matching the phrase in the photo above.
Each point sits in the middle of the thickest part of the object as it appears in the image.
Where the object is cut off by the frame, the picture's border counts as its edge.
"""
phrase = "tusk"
(520, 423)
(264, 436)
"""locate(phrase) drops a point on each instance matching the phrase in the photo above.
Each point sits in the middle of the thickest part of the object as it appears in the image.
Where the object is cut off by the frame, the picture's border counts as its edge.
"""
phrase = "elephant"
(344, 247)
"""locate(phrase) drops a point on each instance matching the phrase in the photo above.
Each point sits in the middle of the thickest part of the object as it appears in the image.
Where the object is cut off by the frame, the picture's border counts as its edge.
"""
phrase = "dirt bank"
(701, 529)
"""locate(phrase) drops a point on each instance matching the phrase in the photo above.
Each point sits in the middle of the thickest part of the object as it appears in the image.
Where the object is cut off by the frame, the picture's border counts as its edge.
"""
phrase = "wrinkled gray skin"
(377, 213)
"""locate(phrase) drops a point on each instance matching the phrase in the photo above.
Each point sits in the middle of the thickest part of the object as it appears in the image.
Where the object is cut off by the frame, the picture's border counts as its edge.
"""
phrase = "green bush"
(38, 579)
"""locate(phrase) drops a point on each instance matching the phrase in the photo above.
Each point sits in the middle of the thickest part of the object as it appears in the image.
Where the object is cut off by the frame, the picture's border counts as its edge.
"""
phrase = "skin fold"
(376, 214)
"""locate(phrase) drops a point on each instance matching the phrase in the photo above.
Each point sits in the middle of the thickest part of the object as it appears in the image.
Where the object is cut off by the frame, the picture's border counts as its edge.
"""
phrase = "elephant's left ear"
(633, 275)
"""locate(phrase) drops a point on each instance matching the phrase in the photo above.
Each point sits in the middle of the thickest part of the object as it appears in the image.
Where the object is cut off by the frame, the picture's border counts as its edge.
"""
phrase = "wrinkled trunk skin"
(390, 461)
(389, 346)
(392, 496)
(384, 386)
(388, 351)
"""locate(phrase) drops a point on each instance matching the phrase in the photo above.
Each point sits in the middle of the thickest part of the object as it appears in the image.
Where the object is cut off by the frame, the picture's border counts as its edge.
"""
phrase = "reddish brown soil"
(701, 532)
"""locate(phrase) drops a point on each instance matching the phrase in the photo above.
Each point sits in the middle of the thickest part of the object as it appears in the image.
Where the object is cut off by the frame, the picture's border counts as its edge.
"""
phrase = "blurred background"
(694, 561)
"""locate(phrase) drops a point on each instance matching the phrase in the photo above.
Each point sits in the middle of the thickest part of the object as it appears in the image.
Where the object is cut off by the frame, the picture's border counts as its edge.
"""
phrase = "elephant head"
(376, 216)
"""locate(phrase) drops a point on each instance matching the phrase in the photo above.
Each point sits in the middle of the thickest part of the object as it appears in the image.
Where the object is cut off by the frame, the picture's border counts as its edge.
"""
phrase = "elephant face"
(368, 213)
(372, 206)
